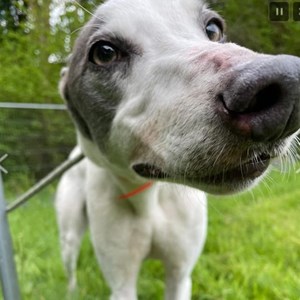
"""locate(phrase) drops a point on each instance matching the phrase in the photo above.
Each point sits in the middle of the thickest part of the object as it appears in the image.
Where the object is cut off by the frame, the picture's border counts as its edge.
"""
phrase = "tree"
(13, 14)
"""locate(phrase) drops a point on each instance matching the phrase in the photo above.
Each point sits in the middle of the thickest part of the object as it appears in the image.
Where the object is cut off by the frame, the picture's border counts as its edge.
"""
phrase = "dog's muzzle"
(260, 105)
(262, 99)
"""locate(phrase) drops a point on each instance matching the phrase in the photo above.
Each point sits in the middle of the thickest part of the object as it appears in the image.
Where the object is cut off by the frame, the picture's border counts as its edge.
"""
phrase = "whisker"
(85, 26)
(86, 10)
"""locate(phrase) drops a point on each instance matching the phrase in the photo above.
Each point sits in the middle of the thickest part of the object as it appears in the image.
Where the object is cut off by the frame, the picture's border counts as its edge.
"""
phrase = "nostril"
(265, 98)
(222, 107)
(253, 112)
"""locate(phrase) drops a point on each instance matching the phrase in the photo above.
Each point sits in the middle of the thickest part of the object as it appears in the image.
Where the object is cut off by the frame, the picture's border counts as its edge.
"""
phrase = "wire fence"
(35, 138)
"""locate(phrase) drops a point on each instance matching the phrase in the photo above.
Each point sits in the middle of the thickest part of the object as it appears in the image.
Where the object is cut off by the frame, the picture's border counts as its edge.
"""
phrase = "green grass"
(252, 250)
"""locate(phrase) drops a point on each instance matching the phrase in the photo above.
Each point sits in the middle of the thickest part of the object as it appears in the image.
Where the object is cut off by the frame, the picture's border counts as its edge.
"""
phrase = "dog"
(165, 110)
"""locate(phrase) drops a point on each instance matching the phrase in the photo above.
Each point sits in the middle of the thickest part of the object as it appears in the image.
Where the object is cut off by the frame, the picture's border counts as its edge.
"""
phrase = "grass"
(252, 250)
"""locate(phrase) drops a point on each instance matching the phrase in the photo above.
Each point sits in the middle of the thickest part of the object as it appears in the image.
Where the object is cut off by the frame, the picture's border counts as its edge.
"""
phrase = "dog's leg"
(120, 268)
(70, 246)
(70, 239)
(120, 260)
(178, 284)
(124, 288)
(71, 218)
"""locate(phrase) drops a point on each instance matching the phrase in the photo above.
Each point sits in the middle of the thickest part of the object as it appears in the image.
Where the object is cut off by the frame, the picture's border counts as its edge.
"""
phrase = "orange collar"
(136, 191)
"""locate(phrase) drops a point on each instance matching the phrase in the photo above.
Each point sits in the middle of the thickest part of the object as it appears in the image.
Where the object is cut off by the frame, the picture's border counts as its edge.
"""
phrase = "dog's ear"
(63, 83)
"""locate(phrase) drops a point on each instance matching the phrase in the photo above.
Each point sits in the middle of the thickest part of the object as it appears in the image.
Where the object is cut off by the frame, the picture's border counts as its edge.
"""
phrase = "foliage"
(12, 15)
(32, 56)
(249, 25)
(36, 141)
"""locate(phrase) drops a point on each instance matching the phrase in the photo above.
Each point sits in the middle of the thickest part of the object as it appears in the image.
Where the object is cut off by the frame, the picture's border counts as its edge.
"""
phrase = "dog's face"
(156, 92)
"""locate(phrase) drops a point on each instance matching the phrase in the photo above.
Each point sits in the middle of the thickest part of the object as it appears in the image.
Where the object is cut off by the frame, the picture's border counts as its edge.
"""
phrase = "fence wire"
(35, 138)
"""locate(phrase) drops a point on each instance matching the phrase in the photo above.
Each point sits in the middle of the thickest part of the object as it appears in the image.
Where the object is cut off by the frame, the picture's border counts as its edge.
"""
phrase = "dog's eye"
(214, 31)
(103, 53)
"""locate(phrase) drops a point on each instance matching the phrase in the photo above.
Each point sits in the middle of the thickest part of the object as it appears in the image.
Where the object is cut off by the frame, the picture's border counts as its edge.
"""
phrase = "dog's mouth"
(248, 170)
(150, 171)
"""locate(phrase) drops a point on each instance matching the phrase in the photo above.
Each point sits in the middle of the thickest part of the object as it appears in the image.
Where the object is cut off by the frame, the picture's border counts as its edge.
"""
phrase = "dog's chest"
(167, 223)
(178, 224)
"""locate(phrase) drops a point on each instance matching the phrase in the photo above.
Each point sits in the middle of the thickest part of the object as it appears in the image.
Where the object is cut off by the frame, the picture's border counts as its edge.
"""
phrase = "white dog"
(164, 108)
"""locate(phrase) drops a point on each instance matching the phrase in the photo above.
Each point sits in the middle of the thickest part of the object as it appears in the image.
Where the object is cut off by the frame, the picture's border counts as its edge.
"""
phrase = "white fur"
(70, 205)
(166, 222)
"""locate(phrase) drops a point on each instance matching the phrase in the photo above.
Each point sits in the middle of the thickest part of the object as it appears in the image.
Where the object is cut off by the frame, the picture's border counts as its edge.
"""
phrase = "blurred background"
(36, 38)
(253, 241)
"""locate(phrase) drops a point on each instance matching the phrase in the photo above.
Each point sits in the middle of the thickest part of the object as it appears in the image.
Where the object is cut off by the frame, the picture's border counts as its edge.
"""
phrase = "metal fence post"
(8, 274)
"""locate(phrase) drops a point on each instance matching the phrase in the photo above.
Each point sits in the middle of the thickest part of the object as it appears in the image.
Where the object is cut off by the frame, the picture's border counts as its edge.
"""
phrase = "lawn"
(252, 249)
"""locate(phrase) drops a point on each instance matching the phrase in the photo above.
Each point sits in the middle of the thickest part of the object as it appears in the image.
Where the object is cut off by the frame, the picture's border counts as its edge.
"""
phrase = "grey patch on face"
(79, 121)
(77, 118)
(93, 105)
(93, 91)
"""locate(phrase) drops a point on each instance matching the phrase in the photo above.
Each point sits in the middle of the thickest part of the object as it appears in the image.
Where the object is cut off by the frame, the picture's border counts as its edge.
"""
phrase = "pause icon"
(279, 11)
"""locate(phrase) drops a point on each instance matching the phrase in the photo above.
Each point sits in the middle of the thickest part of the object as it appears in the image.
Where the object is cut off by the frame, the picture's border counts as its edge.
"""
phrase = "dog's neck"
(142, 197)
(135, 192)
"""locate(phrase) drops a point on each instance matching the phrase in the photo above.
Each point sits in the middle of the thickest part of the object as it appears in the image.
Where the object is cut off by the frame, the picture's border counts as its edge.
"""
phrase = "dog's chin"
(227, 181)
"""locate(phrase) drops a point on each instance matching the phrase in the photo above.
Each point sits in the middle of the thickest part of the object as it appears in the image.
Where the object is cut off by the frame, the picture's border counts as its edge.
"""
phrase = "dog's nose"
(262, 98)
